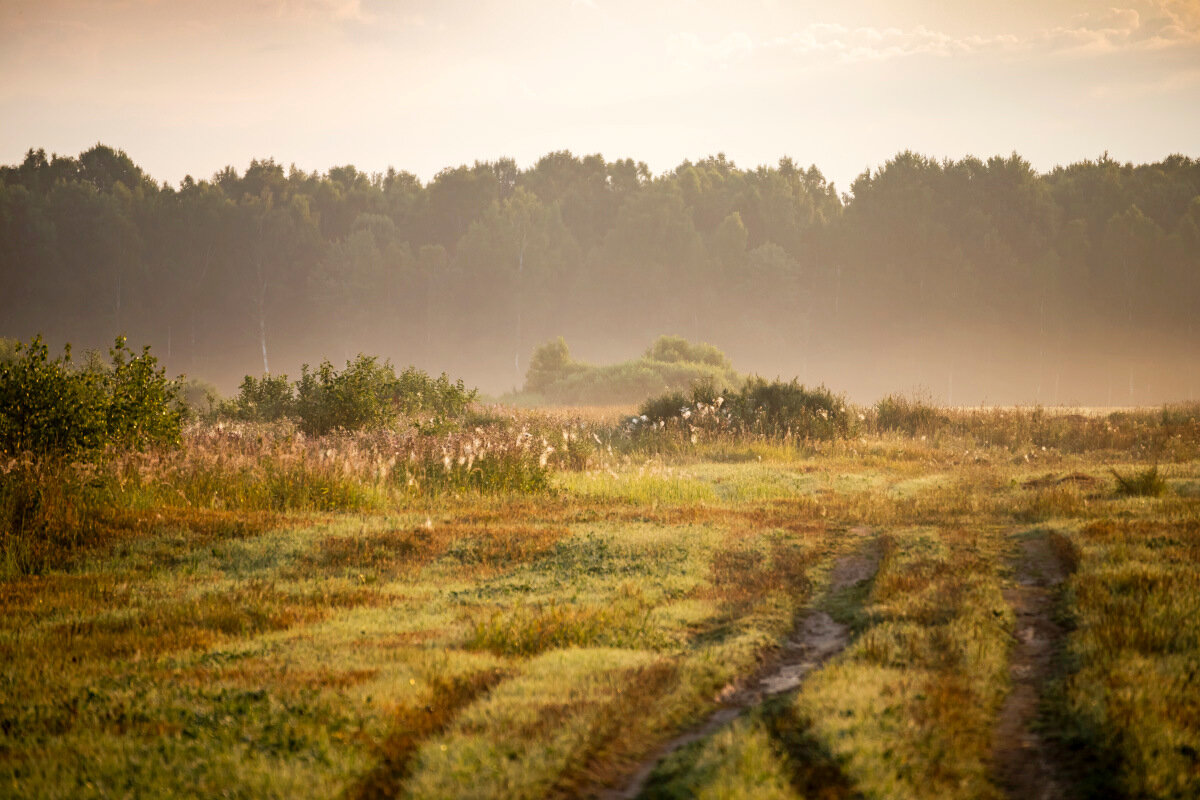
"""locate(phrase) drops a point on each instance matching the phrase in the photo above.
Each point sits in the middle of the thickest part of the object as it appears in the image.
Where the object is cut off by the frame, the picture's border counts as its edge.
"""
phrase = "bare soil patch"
(1025, 765)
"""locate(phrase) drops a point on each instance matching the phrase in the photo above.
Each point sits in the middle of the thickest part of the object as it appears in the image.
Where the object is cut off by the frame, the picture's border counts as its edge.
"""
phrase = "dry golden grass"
(262, 615)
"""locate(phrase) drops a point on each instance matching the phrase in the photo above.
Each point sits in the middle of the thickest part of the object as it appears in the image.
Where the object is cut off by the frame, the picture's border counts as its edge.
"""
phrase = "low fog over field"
(985, 202)
(971, 280)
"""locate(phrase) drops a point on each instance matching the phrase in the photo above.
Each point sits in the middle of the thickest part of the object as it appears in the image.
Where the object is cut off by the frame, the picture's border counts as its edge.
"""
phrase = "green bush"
(671, 364)
(665, 407)
(778, 409)
(550, 364)
(360, 396)
(144, 407)
(676, 349)
(266, 399)
(774, 409)
(366, 394)
(415, 393)
(49, 407)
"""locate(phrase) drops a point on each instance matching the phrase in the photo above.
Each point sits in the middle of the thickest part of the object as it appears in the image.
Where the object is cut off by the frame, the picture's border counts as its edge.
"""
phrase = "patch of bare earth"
(816, 638)
(1025, 765)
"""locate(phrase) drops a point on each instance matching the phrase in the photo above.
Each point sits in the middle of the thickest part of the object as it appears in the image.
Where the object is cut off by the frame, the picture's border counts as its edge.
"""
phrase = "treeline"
(252, 271)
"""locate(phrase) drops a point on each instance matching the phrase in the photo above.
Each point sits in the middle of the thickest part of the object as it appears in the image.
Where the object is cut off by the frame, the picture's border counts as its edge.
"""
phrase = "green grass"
(170, 629)
(1131, 692)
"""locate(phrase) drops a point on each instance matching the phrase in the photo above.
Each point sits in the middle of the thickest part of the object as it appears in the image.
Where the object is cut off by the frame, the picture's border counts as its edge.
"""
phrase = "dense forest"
(980, 280)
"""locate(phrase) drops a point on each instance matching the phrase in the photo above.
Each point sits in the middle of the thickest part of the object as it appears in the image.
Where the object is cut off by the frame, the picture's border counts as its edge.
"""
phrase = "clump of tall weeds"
(777, 410)
(914, 416)
(1145, 483)
(50, 508)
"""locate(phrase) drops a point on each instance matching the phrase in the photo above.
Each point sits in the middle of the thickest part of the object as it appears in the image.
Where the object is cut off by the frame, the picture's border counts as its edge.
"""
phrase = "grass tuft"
(1147, 483)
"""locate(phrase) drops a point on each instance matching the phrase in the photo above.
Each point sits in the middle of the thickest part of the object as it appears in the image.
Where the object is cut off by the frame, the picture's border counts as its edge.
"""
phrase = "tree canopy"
(271, 266)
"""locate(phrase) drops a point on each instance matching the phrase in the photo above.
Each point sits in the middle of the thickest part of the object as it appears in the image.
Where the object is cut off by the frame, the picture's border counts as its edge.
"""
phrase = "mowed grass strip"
(906, 711)
(1132, 691)
(620, 661)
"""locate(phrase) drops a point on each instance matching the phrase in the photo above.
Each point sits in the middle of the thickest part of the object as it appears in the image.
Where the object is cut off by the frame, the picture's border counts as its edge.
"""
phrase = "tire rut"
(816, 638)
(1024, 764)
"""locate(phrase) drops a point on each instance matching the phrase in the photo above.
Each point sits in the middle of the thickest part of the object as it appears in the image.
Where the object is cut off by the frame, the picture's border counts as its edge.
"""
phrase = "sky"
(189, 87)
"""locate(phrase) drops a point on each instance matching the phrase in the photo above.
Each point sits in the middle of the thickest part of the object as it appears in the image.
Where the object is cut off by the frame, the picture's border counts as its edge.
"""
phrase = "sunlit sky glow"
(189, 87)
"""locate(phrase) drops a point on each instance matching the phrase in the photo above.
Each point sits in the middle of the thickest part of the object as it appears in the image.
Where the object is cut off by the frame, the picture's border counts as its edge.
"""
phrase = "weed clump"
(1147, 483)
(910, 415)
(529, 630)
(775, 409)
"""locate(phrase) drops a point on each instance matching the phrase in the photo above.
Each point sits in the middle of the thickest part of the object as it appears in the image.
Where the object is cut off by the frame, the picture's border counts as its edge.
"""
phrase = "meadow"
(535, 605)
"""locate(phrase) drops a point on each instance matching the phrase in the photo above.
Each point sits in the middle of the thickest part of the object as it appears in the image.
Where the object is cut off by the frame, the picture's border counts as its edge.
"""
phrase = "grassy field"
(260, 615)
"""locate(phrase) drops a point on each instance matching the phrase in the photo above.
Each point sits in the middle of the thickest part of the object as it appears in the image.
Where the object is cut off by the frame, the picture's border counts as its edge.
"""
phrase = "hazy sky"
(188, 87)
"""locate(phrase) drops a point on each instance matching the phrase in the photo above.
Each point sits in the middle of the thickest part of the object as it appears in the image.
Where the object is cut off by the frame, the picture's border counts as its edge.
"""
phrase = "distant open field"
(992, 603)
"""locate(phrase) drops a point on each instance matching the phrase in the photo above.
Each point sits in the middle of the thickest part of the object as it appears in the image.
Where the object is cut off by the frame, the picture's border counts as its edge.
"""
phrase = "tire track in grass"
(816, 638)
(1024, 764)
(413, 724)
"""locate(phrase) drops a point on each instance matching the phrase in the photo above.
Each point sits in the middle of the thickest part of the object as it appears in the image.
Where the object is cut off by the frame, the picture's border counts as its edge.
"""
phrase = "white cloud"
(1175, 24)
(848, 45)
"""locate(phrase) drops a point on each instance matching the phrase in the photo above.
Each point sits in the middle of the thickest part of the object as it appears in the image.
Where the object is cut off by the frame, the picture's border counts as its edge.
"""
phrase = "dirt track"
(1026, 767)
(816, 639)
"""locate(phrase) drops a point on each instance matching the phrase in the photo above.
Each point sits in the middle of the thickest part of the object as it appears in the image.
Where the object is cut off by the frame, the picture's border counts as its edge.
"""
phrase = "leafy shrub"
(665, 407)
(774, 409)
(912, 416)
(49, 407)
(550, 364)
(357, 397)
(671, 364)
(416, 393)
(676, 349)
(778, 409)
(266, 399)
(144, 407)
(366, 394)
